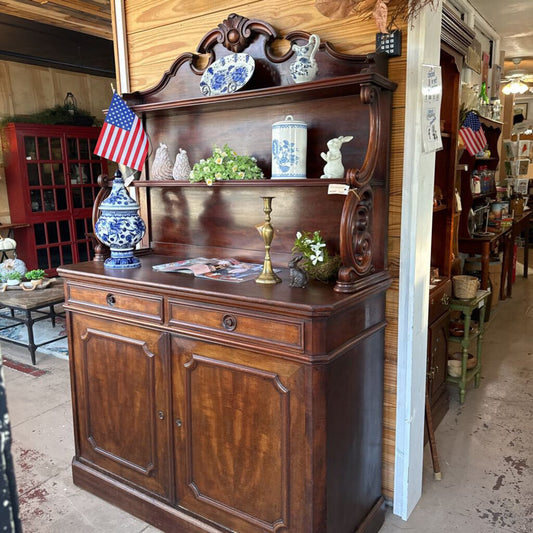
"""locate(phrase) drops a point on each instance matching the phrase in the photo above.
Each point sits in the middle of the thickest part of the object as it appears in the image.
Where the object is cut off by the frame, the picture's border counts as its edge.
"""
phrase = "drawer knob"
(445, 300)
(161, 415)
(229, 322)
(111, 300)
(178, 422)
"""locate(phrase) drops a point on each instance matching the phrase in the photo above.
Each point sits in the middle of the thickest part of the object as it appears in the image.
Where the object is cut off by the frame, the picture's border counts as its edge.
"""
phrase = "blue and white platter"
(227, 74)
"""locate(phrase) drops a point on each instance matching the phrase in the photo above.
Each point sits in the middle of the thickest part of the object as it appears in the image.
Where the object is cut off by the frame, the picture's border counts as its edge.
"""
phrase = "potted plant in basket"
(316, 259)
(35, 277)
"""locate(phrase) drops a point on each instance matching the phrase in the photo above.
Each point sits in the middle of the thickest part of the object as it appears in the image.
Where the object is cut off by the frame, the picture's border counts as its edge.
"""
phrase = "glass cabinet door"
(45, 171)
(62, 174)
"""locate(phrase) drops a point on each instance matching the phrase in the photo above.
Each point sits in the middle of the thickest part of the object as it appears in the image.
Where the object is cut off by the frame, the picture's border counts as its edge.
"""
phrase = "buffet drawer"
(439, 300)
(272, 329)
(116, 302)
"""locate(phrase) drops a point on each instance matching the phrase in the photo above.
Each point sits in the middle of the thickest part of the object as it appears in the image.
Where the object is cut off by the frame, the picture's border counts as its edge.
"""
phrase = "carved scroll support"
(356, 239)
(356, 232)
(377, 141)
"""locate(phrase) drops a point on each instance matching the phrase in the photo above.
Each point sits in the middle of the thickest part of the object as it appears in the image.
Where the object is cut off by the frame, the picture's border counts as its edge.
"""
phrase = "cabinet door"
(122, 407)
(52, 185)
(240, 421)
(438, 361)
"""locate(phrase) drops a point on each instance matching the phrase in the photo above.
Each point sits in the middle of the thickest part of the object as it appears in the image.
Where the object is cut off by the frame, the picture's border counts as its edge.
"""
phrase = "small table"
(467, 307)
(519, 226)
(482, 246)
(29, 302)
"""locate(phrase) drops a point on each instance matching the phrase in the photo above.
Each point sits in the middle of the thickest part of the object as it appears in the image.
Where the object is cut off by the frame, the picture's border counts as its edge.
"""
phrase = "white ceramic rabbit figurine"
(182, 167)
(305, 66)
(334, 169)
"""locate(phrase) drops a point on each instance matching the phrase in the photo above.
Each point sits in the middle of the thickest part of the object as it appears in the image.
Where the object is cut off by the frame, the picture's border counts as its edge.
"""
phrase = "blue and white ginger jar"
(289, 149)
(120, 227)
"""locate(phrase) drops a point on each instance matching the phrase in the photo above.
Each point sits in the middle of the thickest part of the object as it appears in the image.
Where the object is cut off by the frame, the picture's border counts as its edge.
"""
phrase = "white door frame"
(423, 47)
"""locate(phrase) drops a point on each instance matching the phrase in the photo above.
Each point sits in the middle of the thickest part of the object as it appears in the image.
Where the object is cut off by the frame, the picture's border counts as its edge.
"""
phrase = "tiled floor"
(485, 446)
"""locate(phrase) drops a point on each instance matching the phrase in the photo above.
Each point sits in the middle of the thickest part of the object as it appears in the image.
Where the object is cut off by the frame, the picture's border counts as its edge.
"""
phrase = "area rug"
(21, 367)
(42, 331)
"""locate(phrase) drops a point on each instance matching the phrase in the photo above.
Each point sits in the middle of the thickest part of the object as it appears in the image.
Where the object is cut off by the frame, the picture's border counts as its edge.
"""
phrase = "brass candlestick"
(268, 276)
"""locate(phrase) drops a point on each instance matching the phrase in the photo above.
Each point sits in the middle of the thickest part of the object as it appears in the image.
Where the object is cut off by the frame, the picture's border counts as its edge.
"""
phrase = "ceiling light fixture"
(515, 87)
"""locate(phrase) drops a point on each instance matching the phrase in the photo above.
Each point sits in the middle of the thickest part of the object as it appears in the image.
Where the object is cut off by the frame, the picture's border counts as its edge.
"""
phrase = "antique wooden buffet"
(201, 405)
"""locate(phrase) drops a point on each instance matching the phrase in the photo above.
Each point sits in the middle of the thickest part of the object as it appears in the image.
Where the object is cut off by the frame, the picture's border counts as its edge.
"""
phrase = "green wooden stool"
(467, 307)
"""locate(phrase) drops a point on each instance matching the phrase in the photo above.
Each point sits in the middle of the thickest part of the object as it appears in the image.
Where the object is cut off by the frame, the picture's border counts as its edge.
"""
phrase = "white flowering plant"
(311, 246)
(225, 165)
(316, 259)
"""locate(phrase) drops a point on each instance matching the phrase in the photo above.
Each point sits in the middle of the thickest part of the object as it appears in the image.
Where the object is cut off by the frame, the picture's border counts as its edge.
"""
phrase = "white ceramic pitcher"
(305, 66)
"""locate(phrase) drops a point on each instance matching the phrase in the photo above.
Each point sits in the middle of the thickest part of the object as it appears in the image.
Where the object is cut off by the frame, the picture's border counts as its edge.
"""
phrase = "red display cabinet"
(51, 177)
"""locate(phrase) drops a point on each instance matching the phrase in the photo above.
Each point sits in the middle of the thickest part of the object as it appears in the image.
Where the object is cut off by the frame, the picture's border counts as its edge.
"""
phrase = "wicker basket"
(465, 287)
(470, 363)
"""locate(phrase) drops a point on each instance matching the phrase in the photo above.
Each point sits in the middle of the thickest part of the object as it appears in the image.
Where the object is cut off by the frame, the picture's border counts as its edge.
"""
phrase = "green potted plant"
(225, 165)
(35, 277)
(13, 278)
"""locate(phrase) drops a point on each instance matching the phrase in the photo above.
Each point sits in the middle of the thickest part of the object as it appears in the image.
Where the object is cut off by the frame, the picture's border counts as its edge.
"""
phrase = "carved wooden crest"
(236, 33)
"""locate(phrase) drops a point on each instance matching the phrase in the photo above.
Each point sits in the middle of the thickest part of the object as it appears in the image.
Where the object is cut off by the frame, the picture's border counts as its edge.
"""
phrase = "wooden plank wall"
(26, 89)
(158, 31)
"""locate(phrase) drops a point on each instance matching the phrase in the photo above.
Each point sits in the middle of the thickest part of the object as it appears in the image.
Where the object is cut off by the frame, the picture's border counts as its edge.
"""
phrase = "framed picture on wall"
(496, 77)
(520, 108)
(473, 56)
(485, 60)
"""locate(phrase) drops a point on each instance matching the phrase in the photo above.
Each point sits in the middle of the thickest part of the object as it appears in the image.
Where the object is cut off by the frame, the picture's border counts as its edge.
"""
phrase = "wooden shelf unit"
(470, 200)
(455, 40)
(243, 407)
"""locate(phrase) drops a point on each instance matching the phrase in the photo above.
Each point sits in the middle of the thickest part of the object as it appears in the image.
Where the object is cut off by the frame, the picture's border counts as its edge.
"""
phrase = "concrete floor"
(485, 446)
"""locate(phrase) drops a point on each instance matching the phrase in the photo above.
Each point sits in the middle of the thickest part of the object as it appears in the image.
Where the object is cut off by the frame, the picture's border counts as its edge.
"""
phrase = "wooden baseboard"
(374, 519)
(168, 518)
(147, 508)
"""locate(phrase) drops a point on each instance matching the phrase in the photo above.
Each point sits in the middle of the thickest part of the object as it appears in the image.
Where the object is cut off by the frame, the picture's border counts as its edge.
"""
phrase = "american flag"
(472, 134)
(122, 138)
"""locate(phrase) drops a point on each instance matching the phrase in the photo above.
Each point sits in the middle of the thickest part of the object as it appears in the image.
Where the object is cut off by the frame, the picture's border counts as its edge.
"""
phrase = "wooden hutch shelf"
(326, 88)
(309, 182)
(201, 405)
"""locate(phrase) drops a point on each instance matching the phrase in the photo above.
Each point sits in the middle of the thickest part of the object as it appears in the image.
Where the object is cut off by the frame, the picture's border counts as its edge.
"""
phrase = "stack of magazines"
(214, 268)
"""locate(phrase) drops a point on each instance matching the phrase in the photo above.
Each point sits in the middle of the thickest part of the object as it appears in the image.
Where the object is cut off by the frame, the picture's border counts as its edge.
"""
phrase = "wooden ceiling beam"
(100, 9)
(60, 16)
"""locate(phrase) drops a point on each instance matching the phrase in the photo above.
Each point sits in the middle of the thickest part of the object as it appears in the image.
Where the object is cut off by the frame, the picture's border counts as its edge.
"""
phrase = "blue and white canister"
(120, 227)
(289, 149)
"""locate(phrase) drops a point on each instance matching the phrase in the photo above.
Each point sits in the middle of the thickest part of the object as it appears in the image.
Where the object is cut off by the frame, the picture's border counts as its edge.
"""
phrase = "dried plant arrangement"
(381, 10)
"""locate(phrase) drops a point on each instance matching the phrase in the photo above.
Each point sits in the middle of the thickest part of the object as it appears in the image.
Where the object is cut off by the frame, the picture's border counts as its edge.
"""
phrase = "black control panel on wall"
(389, 43)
